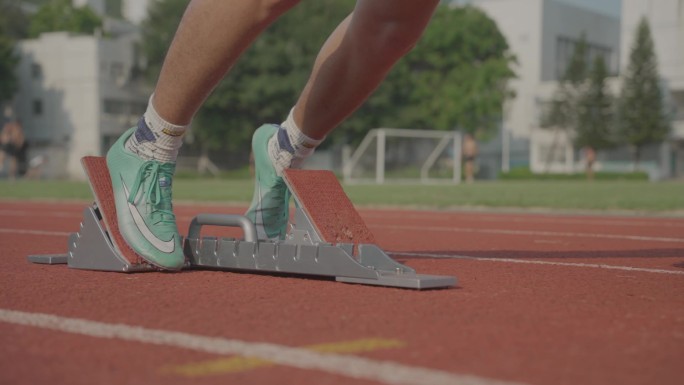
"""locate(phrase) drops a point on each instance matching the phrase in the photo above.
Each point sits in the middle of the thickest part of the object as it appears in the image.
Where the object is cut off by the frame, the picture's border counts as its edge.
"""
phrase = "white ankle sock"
(155, 138)
(290, 146)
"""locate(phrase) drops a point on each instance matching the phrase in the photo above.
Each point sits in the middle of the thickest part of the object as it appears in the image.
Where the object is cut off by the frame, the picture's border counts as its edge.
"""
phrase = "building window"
(552, 153)
(116, 71)
(565, 49)
(541, 110)
(37, 107)
(36, 71)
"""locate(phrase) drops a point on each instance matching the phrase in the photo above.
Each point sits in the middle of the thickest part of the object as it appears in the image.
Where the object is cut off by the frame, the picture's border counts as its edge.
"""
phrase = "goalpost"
(405, 156)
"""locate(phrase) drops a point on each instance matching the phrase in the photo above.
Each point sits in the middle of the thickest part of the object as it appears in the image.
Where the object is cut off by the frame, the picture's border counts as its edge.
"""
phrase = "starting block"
(328, 238)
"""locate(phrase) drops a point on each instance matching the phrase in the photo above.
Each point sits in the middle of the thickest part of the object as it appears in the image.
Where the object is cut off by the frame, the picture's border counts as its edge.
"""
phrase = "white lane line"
(628, 222)
(533, 262)
(432, 228)
(35, 232)
(530, 232)
(386, 372)
(75, 214)
(508, 260)
(442, 229)
(531, 218)
(39, 214)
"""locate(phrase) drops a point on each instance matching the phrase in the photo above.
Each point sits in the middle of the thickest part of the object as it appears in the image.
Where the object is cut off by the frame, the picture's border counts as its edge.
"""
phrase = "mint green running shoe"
(142, 194)
(270, 208)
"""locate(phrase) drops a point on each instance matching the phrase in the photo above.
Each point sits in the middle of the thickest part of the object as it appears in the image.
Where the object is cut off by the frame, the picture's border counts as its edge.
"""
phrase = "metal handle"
(232, 220)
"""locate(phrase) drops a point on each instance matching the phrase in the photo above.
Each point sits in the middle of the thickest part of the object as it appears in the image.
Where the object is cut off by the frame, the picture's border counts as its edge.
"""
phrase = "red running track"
(542, 299)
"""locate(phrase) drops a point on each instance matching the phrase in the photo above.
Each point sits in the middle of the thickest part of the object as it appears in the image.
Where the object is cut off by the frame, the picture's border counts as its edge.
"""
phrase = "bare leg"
(356, 58)
(211, 36)
(469, 170)
(351, 64)
(12, 170)
(209, 39)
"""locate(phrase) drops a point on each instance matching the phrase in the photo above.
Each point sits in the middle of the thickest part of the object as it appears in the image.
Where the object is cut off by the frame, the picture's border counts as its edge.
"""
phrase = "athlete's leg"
(356, 58)
(351, 64)
(210, 37)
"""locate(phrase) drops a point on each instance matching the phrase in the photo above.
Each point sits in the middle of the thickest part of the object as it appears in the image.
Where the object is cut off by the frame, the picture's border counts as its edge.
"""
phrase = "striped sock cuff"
(302, 144)
(155, 138)
(160, 126)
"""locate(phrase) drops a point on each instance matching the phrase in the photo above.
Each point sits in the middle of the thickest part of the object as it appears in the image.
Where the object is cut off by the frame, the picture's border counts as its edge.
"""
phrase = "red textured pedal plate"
(101, 184)
(331, 212)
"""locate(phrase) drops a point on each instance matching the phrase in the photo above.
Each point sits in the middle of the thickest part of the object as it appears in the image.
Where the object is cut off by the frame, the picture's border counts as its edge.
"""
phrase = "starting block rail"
(328, 238)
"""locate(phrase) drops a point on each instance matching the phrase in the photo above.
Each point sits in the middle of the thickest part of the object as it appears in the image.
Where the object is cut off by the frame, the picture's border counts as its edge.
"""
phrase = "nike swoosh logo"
(163, 246)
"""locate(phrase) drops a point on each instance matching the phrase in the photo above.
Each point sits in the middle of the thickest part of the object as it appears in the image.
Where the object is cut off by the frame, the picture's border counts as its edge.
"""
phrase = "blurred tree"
(562, 113)
(13, 20)
(563, 107)
(157, 32)
(34, 2)
(595, 116)
(61, 15)
(114, 8)
(8, 62)
(264, 84)
(642, 118)
(266, 81)
(455, 77)
(12, 28)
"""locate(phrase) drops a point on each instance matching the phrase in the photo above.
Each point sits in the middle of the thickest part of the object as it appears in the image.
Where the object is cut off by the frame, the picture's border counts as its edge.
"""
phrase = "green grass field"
(662, 197)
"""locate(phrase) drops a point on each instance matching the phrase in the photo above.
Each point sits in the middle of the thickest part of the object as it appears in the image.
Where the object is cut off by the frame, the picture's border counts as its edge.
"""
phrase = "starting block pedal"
(98, 245)
(328, 238)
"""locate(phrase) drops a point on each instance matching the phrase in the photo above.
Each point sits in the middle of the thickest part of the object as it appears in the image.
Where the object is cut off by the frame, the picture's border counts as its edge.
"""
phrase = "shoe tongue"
(165, 191)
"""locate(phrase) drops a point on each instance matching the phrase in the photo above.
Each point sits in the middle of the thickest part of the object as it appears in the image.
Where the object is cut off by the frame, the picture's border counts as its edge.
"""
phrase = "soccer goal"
(392, 155)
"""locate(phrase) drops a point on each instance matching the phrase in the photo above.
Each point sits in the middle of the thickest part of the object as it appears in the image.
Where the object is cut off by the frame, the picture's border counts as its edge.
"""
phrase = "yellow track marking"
(241, 364)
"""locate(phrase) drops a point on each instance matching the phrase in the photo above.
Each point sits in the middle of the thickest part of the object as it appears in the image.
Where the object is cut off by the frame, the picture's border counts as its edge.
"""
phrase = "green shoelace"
(160, 203)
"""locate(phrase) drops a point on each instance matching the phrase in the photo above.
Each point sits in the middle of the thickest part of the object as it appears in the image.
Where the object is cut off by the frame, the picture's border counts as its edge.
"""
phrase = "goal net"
(388, 155)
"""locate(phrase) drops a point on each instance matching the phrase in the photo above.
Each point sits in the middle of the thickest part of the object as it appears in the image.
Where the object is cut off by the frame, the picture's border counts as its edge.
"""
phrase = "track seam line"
(35, 232)
(530, 232)
(532, 262)
(345, 365)
(373, 215)
(444, 229)
(528, 220)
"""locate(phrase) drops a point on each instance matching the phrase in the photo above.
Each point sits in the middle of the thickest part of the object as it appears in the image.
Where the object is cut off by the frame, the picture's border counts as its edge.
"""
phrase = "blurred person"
(590, 160)
(4, 142)
(35, 167)
(469, 156)
(14, 149)
(210, 37)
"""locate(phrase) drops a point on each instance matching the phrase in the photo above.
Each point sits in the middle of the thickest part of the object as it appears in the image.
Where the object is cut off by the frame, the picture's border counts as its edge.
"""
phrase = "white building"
(75, 96)
(542, 34)
(666, 19)
(76, 92)
(135, 10)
